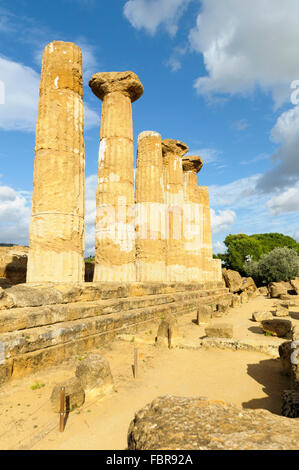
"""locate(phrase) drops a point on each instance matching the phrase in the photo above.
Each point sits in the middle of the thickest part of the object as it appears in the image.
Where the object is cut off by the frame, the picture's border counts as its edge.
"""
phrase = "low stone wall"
(43, 325)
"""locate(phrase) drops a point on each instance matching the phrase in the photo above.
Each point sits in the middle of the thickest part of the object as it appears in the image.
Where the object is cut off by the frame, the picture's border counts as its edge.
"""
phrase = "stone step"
(34, 295)
(32, 339)
(31, 317)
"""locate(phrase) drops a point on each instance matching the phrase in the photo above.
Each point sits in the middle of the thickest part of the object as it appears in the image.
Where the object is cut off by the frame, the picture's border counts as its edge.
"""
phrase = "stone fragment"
(290, 403)
(233, 280)
(263, 290)
(150, 210)
(248, 283)
(74, 395)
(57, 217)
(198, 423)
(295, 284)
(277, 289)
(172, 152)
(220, 330)
(167, 334)
(13, 263)
(223, 307)
(204, 313)
(277, 327)
(115, 225)
(260, 316)
(281, 311)
(244, 297)
(236, 301)
(94, 375)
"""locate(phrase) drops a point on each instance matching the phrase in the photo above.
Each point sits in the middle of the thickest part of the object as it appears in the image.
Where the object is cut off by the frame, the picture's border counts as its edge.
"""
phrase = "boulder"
(197, 423)
(94, 375)
(204, 313)
(232, 279)
(167, 334)
(236, 301)
(13, 263)
(281, 311)
(260, 316)
(244, 297)
(295, 284)
(285, 352)
(248, 284)
(74, 395)
(263, 290)
(277, 327)
(220, 330)
(277, 289)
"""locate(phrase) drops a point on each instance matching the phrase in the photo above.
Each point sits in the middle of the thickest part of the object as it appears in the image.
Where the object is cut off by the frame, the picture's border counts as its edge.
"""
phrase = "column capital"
(174, 147)
(126, 83)
(193, 164)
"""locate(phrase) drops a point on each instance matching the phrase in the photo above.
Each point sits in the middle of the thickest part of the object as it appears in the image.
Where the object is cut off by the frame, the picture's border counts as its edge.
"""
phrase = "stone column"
(207, 252)
(115, 227)
(193, 212)
(150, 214)
(57, 218)
(173, 151)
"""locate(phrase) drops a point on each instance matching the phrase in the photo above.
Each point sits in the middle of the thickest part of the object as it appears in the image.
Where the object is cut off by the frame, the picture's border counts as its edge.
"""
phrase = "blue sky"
(217, 75)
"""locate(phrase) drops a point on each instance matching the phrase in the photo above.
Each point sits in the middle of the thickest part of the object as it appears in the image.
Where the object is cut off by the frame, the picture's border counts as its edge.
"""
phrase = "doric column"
(193, 218)
(115, 227)
(150, 214)
(57, 218)
(173, 151)
(207, 252)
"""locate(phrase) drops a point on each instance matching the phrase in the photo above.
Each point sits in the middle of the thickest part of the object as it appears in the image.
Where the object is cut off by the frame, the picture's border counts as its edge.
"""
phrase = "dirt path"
(248, 379)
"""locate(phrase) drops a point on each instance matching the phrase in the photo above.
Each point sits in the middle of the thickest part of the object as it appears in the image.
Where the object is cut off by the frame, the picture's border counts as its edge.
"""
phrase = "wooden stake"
(135, 363)
(62, 412)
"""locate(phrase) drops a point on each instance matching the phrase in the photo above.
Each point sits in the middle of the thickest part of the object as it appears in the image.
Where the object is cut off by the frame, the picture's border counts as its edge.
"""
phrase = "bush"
(281, 264)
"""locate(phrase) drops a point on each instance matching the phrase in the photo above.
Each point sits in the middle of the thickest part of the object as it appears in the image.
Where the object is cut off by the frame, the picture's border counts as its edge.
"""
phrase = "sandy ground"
(248, 379)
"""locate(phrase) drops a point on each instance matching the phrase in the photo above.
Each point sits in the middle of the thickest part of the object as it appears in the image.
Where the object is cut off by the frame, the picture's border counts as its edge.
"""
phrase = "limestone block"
(204, 314)
(244, 297)
(233, 280)
(277, 327)
(235, 301)
(95, 376)
(167, 334)
(281, 311)
(220, 330)
(74, 395)
(260, 316)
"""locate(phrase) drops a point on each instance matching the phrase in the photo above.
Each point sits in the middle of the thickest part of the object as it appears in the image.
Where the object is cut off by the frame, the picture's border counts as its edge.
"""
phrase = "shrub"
(281, 264)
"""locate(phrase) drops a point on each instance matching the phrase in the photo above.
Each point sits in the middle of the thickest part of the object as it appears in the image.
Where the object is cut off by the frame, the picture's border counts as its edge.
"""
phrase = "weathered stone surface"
(115, 225)
(263, 290)
(6, 370)
(281, 311)
(277, 327)
(233, 280)
(95, 375)
(277, 289)
(177, 423)
(204, 314)
(57, 217)
(244, 297)
(220, 330)
(290, 403)
(173, 180)
(74, 395)
(150, 210)
(167, 334)
(260, 316)
(248, 284)
(13, 263)
(223, 307)
(290, 368)
(295, 284)
(126, 83)
(236, 301)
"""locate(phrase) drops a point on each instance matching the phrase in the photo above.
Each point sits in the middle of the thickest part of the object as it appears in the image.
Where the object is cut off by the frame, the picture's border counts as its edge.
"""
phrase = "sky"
(220, 75)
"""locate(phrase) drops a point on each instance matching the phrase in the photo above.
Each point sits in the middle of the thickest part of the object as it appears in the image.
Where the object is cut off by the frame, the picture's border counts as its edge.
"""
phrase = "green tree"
(281, 264)
(239, 248)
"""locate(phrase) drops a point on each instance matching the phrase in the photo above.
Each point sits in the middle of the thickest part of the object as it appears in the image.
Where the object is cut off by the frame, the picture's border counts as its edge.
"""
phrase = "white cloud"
(209, 155)
(288, 201)
(296, 236)
(286, 173)
(219, 247)
(14, 216)
(223, 220)
(19, 113)
(240, 125)
(245, 44)
(151, 14)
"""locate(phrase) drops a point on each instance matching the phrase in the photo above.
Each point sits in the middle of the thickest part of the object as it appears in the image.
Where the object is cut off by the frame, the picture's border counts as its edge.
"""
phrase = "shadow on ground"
(268, 373)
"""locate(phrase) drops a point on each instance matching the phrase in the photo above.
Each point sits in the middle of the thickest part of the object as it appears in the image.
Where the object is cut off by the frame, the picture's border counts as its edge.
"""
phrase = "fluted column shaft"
(57, 219)
(115, 226)
(150, 213)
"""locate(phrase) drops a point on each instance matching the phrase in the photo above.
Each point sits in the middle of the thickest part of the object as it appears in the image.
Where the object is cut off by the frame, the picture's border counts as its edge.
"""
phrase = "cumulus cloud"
(245, 44)
(286, 171)
(219, 247)
(21, 83)
(223, 220)
(14, 216)
(288, 201)
(151, 14)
